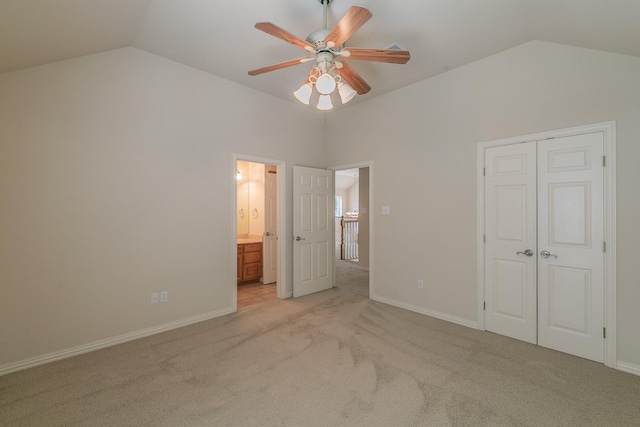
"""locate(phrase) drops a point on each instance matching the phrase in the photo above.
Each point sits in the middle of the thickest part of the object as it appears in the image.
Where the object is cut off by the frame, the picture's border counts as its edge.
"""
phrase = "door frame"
(609, 132)
(281, 277)
(363, 164)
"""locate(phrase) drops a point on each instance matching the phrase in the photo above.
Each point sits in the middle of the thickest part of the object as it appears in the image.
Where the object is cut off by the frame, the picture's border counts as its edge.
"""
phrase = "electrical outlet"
(154, 298)
(164, 296)
(420, 284)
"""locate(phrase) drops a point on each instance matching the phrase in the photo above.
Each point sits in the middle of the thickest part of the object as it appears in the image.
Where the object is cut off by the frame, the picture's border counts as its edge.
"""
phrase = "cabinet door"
(252, 257)
(252, 271)
(252, 247)
(250, 263)
(240, 263)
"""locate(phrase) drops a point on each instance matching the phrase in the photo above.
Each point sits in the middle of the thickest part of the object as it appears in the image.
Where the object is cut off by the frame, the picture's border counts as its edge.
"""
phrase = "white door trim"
(609, 132)
(364, 164)
(281, 284)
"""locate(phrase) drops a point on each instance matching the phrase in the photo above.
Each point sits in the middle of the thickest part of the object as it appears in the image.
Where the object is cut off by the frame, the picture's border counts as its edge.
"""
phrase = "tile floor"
(254, 293)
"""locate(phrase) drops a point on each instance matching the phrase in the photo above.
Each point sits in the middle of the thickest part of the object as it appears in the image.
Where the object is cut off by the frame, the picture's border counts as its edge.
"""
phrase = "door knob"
(267, 234)
(527, 252)
(298, 238)
(547, 254)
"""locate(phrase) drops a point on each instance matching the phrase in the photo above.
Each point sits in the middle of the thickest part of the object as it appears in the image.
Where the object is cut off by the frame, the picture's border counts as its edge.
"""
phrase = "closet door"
(510, 241)
(570, 245)
(544, 258)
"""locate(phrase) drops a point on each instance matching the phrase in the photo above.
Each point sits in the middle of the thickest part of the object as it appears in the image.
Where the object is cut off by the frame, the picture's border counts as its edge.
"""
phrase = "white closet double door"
(544, 254)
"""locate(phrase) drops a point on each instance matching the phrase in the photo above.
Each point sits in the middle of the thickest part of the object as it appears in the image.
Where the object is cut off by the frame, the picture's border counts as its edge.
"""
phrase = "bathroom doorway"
(258, 218)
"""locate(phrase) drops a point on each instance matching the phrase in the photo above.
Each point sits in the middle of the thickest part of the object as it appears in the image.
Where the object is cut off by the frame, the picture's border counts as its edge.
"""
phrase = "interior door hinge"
(604, 161)
(484, 171)
(604, 333)
(604, 246)
(484, 238)
(484, 305)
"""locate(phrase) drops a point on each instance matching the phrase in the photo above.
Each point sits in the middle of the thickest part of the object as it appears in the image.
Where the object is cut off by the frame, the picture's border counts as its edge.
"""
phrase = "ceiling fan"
(327, 49)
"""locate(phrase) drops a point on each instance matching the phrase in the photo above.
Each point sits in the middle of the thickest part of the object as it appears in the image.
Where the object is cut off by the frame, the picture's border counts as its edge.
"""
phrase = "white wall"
(363, 219)
(342, 192)
(353, 198)
(117, 180)
(423, 140)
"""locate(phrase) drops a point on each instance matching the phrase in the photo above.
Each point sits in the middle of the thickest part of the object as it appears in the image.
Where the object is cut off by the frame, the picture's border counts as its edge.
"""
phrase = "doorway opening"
(352, 227)
(258, 221)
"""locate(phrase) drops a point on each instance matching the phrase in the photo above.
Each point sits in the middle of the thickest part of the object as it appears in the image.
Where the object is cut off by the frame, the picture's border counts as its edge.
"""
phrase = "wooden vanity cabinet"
(249, 262)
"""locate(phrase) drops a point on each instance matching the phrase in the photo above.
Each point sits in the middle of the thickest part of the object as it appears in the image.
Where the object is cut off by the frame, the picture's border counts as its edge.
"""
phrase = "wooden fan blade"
(279, 66)
(350, 76)
(379, 55)
(355, 18)
(278, 32)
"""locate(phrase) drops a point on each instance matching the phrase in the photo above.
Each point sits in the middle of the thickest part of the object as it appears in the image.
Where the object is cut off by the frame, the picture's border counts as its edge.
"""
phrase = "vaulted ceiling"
(219, 37)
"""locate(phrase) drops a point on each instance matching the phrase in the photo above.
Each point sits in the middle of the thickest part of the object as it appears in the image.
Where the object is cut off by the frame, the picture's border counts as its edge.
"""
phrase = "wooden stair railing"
(348, 237)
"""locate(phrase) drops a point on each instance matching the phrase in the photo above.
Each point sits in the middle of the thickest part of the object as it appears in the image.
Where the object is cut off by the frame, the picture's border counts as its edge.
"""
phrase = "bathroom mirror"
(250, 201)
(242, 208)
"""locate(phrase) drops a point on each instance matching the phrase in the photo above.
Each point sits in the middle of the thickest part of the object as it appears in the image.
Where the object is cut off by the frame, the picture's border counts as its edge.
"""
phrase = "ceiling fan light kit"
(329, 74)
(346, 92)
(326, 84)
(304, 93)
(324, 103)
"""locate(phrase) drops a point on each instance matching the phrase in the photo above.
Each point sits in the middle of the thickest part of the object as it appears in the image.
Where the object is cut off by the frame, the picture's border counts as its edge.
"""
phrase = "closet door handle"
(547, 254)
(527, 252)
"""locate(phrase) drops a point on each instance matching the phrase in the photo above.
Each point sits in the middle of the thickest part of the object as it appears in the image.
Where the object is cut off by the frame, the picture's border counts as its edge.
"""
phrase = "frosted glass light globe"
(325, 84)
(324, 103)
(346, 92)
(303, 94)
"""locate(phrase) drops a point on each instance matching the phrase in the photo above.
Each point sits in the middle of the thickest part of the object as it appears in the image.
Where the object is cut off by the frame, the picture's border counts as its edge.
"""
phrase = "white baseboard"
(628, 367)
(431, 313)
(97, 345)
(621, 366)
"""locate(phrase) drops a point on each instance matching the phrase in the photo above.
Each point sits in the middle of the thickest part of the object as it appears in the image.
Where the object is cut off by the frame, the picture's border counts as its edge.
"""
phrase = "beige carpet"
(328, 359)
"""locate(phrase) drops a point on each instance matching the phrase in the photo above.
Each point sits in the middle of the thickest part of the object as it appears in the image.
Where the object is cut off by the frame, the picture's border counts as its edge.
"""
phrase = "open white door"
(270, 236)
(312, 230)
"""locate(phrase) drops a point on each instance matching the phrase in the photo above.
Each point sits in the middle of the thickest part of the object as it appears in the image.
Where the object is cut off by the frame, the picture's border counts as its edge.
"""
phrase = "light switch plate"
(386, 210)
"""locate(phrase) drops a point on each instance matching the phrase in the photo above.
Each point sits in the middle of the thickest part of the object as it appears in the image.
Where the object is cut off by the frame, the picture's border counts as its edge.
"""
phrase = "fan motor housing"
(317, 38)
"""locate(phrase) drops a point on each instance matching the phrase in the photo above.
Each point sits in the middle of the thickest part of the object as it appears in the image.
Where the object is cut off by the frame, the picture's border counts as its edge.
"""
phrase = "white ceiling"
(346, 178)
(218, 36)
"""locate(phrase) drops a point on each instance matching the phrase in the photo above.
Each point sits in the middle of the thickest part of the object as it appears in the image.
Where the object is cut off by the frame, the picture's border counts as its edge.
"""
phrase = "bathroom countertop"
(244, 240)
